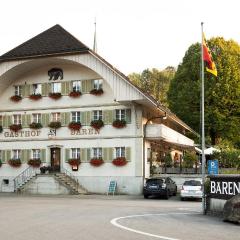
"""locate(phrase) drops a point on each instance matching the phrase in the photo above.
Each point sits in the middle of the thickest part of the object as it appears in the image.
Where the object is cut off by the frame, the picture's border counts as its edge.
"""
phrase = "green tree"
(222, 93)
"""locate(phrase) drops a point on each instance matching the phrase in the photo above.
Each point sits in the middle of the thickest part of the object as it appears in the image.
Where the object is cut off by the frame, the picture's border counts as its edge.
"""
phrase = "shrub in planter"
(15, 127)
(55, 125)
(119, 123)
(120, 161)
(74, 125)
(74, 161)
(1, 129)
(96, 92)
(75, 94)
(15, 98)
(15, 162)
(35, 125)
(96, 162)
(35, 96)
(97, 124)
(36, 162)
(55, 96)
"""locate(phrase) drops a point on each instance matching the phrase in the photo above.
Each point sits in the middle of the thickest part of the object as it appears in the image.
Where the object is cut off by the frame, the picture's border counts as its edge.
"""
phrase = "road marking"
(114, 222)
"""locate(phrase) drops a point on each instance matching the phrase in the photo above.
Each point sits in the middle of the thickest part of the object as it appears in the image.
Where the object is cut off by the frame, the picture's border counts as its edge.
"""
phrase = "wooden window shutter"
(23, 155)
(89, 86)
(67, 154)
(65, 118)
(7, 120)
(84, 86)
(83, 155)
(26, 90)
(86, 118)
(107, 154)
(45, 117)
(26, 120)
(108, 116)
(8, 154)
(45, 89)
(43, 155)
(3, 156)
(128, 115)
(128, 153)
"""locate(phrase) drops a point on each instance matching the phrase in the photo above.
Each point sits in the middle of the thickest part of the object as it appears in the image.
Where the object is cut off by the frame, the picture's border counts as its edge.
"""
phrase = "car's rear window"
(155, 181)
(192, 183)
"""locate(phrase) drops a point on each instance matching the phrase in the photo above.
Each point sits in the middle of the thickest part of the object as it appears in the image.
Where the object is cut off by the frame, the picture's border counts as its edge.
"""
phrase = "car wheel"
(145, 196)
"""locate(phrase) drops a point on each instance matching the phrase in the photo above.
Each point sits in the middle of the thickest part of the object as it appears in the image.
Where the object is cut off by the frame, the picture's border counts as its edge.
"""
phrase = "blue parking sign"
(213, 167)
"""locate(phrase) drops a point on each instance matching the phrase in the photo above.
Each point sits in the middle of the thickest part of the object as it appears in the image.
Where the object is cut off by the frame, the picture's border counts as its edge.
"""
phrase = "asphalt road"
(95, 217)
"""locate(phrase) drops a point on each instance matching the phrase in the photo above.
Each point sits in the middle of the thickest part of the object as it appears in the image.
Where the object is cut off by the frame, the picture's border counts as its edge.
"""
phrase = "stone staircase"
(70, 183)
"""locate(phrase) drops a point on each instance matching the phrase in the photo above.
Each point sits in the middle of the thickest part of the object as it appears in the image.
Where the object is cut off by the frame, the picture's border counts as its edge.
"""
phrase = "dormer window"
(37, 89)
(56, 87)
(76, 86)
(97, 84)
(18, 91)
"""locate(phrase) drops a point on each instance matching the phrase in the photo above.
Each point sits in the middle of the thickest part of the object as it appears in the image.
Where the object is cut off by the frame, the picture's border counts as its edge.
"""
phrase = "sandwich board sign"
(112, 187)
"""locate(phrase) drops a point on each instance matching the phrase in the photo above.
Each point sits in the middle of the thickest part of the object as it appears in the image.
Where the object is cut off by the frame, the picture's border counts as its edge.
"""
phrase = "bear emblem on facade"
(55, 73)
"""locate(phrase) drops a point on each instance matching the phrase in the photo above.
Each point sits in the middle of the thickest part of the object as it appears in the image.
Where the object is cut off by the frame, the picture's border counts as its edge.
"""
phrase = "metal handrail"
(71, 176)
(23, 177)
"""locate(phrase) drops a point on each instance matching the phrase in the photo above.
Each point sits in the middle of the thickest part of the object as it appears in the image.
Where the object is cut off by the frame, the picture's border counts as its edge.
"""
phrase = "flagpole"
(203, 128)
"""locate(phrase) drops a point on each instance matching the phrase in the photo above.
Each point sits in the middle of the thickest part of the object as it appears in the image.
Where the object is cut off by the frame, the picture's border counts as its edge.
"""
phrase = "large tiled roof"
(55, 40)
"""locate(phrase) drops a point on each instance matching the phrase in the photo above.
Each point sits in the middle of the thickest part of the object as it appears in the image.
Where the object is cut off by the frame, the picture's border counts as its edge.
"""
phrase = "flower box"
(96, 92)
(35, 96)
(96, 162)
(55, 96)
(120, 161)
(75, 94)
(97, 124)
(35, 125)
(1, 129)
(36, 162)
(55, 125)
(119, 123)
(15, 127)
(15, 162)
(15, 98)
(74, 161)
(75, 126)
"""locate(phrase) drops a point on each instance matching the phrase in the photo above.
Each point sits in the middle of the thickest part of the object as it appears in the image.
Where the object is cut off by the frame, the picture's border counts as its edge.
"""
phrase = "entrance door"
(55, 159)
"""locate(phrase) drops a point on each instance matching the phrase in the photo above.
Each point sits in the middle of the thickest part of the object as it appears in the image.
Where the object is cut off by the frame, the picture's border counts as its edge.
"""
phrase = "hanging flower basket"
(96, 92)
(120, 161)
(97, 124)
(15, 162)
(119, 123)
(15, 127)
(35, 96)
(1, 129)
(15, 98)
(55, 96)
(74, 161)
(96, 162)
(36, 162)
(75, 126)
(55, 125)
(35, 125)
(75, 94)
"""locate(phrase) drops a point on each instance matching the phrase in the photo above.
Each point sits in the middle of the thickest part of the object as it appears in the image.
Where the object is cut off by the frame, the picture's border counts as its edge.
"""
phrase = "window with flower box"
(121, 114)
(17, 119)
(18, 90)
(97, 84)
(35, 153)
(56, 87)
(16, 154)
(97, 152)
(75, 153)
(97, 115)
(36, 89)
(120, 152)
(77, 86)
(76, 117)
(36, 117)
(56, 117)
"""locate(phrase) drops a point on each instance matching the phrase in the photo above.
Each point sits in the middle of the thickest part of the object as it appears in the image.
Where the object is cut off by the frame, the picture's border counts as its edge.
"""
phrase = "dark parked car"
(164, 186)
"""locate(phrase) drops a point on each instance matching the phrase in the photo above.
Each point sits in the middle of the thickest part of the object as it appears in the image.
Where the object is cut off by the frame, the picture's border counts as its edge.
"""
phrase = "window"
(120, 152)
(36, 117)
(37, 88)
(56, 87)
(17, 119)
(36, 153)
(121, 114)
(55, 117)
(76, 117)
(97, 152)
(97, 84)
(97, 115)
(16, 154)
(18, 91)
(76, 86)
(75, 153)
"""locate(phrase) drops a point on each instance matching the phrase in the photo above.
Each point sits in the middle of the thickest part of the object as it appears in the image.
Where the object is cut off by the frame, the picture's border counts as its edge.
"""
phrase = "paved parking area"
(89, 217)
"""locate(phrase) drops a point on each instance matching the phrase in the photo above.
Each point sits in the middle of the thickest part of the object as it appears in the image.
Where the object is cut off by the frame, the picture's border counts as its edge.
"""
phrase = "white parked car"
(191, 189)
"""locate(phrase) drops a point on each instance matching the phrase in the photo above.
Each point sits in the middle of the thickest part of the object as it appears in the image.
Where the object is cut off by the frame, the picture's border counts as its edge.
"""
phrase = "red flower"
(74, 125)
(15, 162)
(120, 161)
(55, 125)
(15, 98)
(96, 162)
(74, 161)
(34, 162)
(96, 92)
(97, 124)
(15, 127)
(75, 94)
(35, 96)
(55, 96)
(119, 123)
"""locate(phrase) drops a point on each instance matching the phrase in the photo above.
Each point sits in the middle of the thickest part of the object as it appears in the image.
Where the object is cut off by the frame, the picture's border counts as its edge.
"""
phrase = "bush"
(168, 162)
(189, 159)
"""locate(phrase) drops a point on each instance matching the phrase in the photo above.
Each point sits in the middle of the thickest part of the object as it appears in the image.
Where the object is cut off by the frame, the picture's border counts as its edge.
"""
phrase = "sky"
(132, 35)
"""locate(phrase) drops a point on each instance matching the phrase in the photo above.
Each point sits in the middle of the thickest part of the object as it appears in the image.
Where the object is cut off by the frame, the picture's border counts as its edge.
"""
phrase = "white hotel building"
(24, 121)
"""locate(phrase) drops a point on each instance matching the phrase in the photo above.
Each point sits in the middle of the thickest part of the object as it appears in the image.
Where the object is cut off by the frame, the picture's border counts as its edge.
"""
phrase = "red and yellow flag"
(207, 57)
